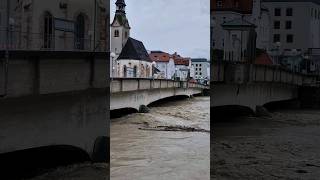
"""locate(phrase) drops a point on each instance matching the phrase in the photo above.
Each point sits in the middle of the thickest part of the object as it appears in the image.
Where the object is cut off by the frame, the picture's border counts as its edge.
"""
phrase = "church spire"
(121, 5)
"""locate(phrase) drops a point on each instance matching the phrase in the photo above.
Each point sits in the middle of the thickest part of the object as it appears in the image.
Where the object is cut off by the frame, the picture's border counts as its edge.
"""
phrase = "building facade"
(252, 11)
(120, 29)
(201, 68)
(134, 61)
(295, 25)
(184, 70)
(164, 63)
(59, 25)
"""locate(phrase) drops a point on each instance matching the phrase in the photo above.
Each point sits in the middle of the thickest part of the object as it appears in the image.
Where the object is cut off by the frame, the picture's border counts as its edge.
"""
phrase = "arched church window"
(135, 71)
(48, 31)
(116, 33)
(124, 71)
(80, 32)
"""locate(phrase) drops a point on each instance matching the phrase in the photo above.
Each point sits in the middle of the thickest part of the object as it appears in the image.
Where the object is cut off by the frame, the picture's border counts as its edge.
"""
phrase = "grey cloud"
(171, 25)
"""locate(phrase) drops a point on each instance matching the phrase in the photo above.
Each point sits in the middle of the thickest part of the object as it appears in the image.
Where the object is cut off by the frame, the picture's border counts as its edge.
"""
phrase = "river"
(284, 146)
(171, 142)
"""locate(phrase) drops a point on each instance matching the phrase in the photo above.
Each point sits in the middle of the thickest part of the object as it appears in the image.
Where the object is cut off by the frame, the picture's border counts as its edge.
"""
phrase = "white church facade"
(129, 57)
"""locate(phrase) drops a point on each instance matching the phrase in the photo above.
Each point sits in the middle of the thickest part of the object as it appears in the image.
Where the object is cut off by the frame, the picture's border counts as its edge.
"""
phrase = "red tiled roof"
(263, 59)
(178, 60)
(159, 56)
(244, 6)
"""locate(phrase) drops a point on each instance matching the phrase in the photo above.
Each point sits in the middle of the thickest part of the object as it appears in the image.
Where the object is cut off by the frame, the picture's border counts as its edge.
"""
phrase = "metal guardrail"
(136, 84)
(246, 73)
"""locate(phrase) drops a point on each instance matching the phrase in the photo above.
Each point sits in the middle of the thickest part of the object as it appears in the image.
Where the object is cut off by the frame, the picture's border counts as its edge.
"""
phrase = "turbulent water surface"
(171, 142)
(85, 171)
(284, 146)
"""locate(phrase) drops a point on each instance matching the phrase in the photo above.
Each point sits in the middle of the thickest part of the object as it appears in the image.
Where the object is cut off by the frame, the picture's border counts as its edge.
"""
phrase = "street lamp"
(112, 55)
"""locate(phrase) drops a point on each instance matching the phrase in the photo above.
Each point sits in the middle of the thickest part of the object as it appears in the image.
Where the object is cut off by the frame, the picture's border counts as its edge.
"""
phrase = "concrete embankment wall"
(71, 119)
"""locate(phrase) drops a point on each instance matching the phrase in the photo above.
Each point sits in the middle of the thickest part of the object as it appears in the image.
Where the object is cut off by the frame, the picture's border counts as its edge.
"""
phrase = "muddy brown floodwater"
(172, 142)
(85, 171)
(285, 146)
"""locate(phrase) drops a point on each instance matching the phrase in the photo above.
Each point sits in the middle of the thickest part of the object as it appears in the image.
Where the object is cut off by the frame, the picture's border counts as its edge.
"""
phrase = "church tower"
(120, 28)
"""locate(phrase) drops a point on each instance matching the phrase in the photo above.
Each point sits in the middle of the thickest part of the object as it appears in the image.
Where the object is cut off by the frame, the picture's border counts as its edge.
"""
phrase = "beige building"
(60, 25)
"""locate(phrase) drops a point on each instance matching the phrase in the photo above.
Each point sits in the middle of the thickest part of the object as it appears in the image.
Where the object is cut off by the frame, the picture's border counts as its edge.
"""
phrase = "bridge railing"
(244, 73)
(135, 84)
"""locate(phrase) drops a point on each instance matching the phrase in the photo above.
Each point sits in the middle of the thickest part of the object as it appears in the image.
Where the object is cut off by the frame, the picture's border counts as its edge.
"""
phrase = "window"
(196, 65)
(277, 12)
(79, 32)
(200, 69)
(200, 65)
(288, 24)
(135, 71)
(289, 12)
(124, 71)
(219, 4)
(116, 33)
(289, 38)
(126, 34)
(237, 4)
(276, 25)
(48, 31)
(276, 38)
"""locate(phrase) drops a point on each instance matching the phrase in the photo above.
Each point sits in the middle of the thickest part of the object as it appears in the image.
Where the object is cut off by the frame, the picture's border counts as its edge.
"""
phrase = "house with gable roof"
(134, 61)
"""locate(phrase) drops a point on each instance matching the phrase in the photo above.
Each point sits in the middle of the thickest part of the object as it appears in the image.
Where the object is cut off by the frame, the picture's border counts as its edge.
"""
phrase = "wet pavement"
(285, 146)
(171, 142)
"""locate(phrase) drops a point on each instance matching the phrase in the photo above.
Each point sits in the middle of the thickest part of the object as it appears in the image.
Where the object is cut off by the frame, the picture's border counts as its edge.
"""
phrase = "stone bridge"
(134, 93)
(240, 84)
(50, 98)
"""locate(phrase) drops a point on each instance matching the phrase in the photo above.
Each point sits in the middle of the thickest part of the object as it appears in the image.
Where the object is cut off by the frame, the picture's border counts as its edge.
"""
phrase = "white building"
(201, 68)
(164, 63)
(295, 24)
(134, 61)
(183, 68)
(120, 29)
(250, 11)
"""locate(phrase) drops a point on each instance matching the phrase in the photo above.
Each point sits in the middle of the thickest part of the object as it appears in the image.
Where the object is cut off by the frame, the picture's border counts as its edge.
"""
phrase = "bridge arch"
(229, 112)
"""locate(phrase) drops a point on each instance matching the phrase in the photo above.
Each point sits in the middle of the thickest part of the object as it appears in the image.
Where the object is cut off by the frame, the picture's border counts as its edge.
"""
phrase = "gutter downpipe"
(6, 61)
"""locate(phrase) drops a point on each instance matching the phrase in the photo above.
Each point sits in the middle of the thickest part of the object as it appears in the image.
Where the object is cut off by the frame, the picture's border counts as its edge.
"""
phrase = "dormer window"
(116, 33)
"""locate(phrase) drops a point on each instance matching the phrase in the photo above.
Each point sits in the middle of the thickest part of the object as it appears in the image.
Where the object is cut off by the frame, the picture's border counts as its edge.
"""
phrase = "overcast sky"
(181, 26)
